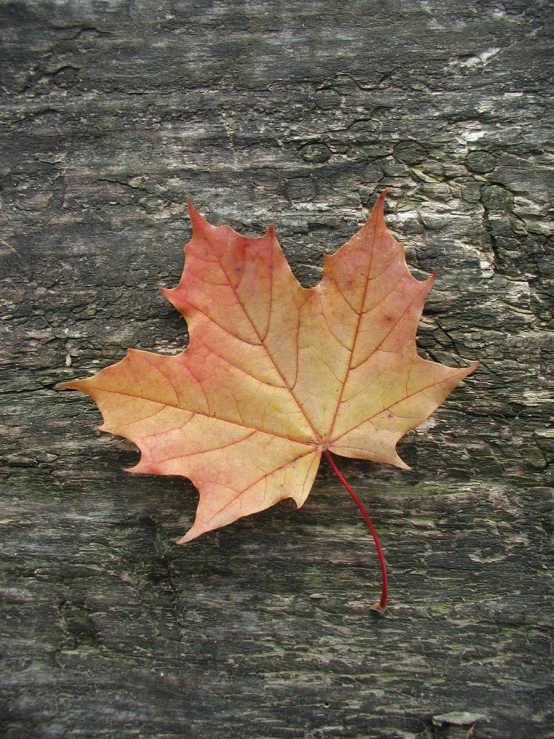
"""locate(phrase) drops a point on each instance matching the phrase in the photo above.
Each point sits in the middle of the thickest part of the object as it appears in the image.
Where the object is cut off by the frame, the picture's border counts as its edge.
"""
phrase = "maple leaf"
(276, 374)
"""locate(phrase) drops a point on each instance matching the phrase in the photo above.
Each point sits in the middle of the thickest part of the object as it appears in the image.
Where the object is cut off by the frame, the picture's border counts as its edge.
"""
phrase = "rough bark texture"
(112, 114)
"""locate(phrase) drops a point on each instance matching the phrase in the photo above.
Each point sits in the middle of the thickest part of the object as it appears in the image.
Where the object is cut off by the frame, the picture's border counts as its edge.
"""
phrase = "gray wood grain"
(298, 113)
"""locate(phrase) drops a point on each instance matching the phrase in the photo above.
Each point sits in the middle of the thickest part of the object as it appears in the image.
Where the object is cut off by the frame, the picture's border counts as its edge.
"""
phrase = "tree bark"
(299, 113)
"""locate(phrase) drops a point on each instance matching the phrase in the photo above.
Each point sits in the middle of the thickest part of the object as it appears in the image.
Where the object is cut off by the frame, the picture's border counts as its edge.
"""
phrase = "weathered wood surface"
(112, 114)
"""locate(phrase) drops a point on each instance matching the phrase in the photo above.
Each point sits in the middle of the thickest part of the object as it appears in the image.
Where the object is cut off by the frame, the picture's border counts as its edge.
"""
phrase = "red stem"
(384, 590)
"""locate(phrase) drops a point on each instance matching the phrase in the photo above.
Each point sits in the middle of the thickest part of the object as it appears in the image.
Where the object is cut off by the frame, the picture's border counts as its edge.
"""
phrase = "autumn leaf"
(276, 374)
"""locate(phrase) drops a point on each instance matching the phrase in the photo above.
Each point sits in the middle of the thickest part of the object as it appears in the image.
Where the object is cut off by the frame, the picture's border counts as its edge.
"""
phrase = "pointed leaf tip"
(197, 222)
(380, 202)
(377, 215)
(189, 536)
(68, 385)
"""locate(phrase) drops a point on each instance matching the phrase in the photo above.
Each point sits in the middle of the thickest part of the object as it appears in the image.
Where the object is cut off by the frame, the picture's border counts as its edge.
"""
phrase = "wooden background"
(113, 112)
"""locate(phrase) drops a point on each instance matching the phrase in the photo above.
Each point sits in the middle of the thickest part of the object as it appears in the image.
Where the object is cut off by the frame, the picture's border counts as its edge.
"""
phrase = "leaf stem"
(381, 605)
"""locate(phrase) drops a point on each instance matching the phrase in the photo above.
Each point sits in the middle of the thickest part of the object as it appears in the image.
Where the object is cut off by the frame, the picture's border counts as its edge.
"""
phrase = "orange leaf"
(275, 374)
